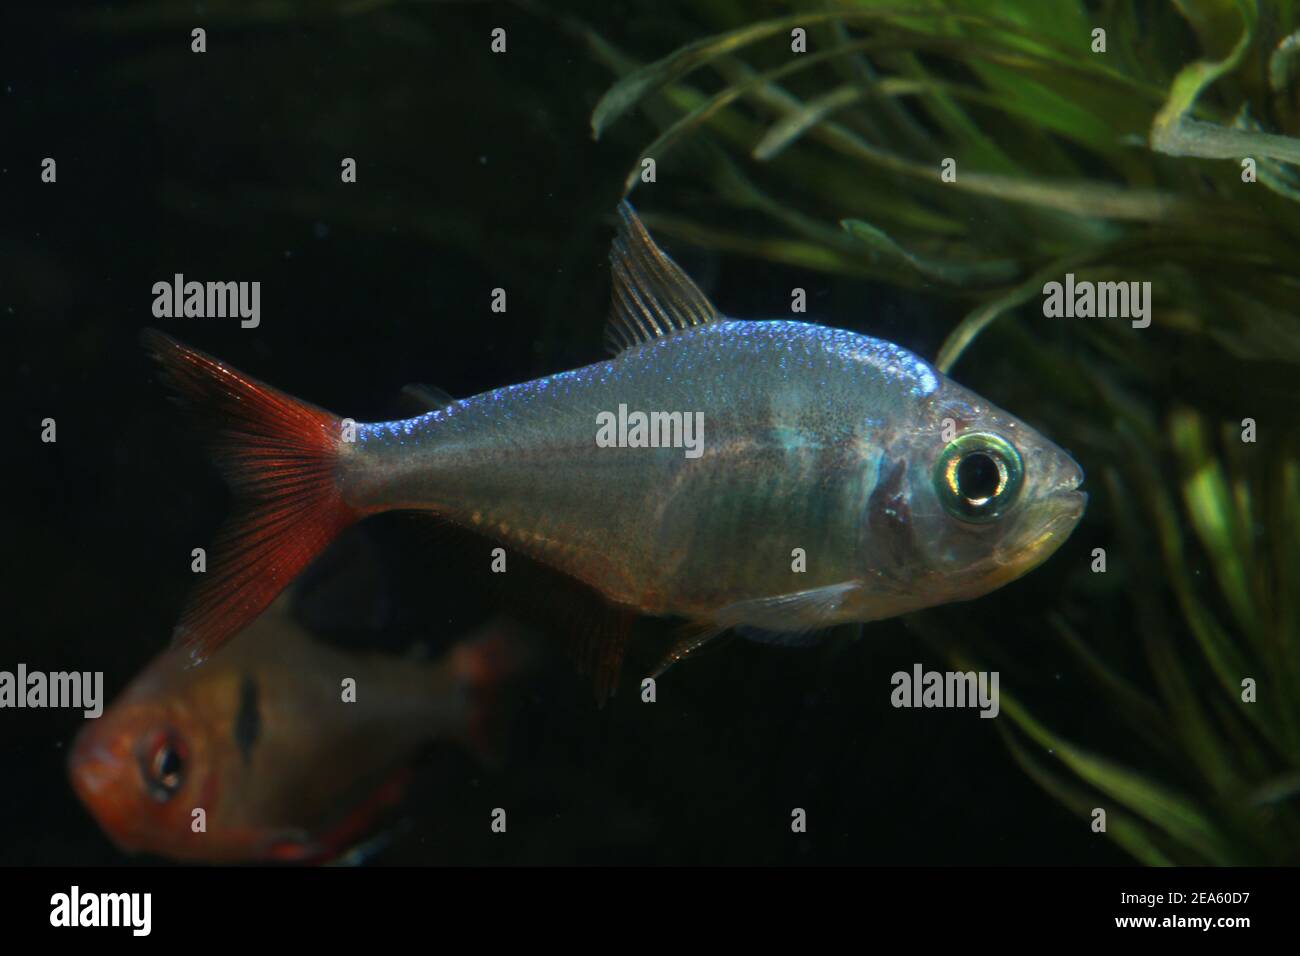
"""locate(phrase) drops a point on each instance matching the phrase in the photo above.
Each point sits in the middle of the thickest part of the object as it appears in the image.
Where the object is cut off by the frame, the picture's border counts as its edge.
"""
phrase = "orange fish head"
(139, 770)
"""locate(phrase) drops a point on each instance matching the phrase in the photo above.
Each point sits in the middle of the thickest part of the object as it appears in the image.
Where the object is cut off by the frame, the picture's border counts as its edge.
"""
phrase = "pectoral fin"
(763, 635)
(791, 619)
(798, 612)
(295, 846)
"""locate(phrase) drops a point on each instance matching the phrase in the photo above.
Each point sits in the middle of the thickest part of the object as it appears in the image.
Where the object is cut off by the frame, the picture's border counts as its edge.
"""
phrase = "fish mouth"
(1068, 503)
(95, 771)
(1072, 504)
(93, 767)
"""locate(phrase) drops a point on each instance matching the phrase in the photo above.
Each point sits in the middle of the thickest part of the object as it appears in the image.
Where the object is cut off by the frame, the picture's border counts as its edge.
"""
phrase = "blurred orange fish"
(264, 741)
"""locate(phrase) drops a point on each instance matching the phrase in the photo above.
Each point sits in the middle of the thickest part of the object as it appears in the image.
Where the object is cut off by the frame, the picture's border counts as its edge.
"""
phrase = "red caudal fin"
(280, 457)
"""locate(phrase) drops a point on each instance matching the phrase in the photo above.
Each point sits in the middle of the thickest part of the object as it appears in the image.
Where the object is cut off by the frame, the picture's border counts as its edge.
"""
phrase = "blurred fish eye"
(163, 767)
(978, 476)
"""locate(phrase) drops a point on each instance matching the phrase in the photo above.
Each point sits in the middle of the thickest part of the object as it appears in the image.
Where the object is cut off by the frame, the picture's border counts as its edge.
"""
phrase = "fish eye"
(163, 767)
(978, 476)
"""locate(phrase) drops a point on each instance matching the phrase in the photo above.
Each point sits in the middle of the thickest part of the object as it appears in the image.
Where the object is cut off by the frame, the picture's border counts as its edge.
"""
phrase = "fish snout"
(93, 768)
(1066, 475)
(1060, 492)
(100, 775)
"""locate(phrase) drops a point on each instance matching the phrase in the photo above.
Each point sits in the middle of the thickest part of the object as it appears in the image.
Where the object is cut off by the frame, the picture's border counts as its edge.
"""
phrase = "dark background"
(475, 171)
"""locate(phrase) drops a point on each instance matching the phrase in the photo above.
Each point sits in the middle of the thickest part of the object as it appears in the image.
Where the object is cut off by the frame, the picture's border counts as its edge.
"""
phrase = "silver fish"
(782, 476)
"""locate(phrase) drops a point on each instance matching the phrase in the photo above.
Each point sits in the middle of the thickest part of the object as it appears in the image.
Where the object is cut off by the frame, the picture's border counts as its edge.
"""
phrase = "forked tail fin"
(280, 457)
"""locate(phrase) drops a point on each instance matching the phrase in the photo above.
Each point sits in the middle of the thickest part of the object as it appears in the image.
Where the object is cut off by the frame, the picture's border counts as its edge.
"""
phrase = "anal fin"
(599, 645)
(691, 637)
(593, 632)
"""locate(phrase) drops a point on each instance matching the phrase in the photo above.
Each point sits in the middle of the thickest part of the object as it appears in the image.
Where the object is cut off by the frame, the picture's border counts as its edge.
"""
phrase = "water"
(475, 172)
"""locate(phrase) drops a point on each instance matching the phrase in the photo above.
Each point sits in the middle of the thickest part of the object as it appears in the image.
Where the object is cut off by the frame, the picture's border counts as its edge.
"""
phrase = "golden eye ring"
(978, 476)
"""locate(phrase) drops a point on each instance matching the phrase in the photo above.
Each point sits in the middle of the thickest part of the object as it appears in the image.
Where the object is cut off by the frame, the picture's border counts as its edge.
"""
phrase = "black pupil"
(977, 476)
(169, 763)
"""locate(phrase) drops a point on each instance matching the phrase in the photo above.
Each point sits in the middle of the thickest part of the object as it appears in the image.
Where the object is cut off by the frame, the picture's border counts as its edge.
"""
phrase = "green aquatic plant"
(975, 151)
(1223, 718)
(1056, 151)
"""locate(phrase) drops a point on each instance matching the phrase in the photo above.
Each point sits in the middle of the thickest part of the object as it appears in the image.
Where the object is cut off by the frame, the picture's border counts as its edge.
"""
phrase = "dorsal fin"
(425, 398)
(651, 294)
